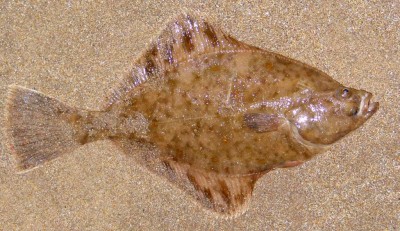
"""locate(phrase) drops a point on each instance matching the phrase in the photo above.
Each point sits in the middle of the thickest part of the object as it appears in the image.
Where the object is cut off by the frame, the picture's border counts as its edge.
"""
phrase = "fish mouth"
(368, 108)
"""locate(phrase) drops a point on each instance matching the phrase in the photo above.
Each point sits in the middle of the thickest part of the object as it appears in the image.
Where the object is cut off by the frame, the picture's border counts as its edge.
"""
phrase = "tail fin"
(38, 128)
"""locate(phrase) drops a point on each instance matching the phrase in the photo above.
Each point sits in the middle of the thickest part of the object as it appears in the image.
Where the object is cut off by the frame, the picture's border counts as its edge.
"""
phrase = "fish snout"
(368, 108)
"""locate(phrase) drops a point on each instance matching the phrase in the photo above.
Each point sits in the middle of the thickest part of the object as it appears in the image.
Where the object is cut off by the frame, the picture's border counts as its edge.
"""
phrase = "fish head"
(323, 118)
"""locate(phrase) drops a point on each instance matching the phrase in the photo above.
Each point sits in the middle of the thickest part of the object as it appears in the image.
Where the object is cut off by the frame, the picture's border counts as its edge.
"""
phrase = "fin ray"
(227, 196)
(35, 130)
(183, 38)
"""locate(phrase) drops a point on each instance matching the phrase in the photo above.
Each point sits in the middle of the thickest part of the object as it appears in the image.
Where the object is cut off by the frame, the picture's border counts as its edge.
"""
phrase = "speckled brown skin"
(197, 113)
(216, 114)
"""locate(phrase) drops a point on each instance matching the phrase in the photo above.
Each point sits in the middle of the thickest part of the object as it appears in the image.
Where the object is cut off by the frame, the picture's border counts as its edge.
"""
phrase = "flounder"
(207, 112)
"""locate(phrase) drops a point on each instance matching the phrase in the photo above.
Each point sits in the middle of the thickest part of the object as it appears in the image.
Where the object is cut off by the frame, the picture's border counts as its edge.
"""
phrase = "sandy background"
(77, 51)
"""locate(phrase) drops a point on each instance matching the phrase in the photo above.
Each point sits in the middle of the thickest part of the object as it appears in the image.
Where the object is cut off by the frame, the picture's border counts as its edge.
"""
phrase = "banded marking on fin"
(226, 195)
(183, 38)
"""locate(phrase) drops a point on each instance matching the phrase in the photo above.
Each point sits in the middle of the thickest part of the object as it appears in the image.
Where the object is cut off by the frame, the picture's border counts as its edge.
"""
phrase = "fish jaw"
(367, 108)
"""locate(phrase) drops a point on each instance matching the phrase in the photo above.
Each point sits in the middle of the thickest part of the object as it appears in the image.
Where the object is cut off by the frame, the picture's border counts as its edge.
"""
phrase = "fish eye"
(345, 93)
(354, 111)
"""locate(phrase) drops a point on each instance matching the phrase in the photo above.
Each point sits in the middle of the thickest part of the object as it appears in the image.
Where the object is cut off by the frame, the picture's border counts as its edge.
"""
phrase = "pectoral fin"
(261, 122)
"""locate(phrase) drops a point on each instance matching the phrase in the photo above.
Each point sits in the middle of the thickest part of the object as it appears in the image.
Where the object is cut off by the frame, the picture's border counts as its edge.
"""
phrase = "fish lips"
(368, 108)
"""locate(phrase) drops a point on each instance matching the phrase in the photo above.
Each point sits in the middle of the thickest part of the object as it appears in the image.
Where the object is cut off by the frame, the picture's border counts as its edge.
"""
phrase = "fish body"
(202, 112)
(213, 114)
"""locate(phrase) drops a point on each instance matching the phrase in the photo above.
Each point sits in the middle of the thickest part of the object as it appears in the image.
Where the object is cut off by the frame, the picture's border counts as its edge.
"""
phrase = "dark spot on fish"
(226, 169)
(83, 138)
(283, 60)
(193, 180)
(269, 66)
(178, 152)
(153, 51)
(211, 35)
(188, 102)
(225, 193)
(168, 113)
(74, 118)
(196, 77)
(172, 84)
(124, 114)
(239, 198)
(250, 184)
(285, 75)
(215, 159)
(132, 136)
(187, 41)
(150, 67)
(215, 68)
(208, 193)
(310, 72)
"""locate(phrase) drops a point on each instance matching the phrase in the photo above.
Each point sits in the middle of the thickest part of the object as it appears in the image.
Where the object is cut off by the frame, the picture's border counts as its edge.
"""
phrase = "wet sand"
(76, 52)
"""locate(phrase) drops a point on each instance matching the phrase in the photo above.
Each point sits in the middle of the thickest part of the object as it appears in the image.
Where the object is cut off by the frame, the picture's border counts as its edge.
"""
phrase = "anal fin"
(226, 195)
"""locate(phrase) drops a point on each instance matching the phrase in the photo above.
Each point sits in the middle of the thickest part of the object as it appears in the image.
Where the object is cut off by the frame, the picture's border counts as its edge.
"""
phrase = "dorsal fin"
(183, 38)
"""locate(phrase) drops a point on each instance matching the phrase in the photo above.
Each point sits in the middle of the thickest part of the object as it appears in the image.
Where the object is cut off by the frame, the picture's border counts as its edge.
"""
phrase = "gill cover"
(326, 117)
